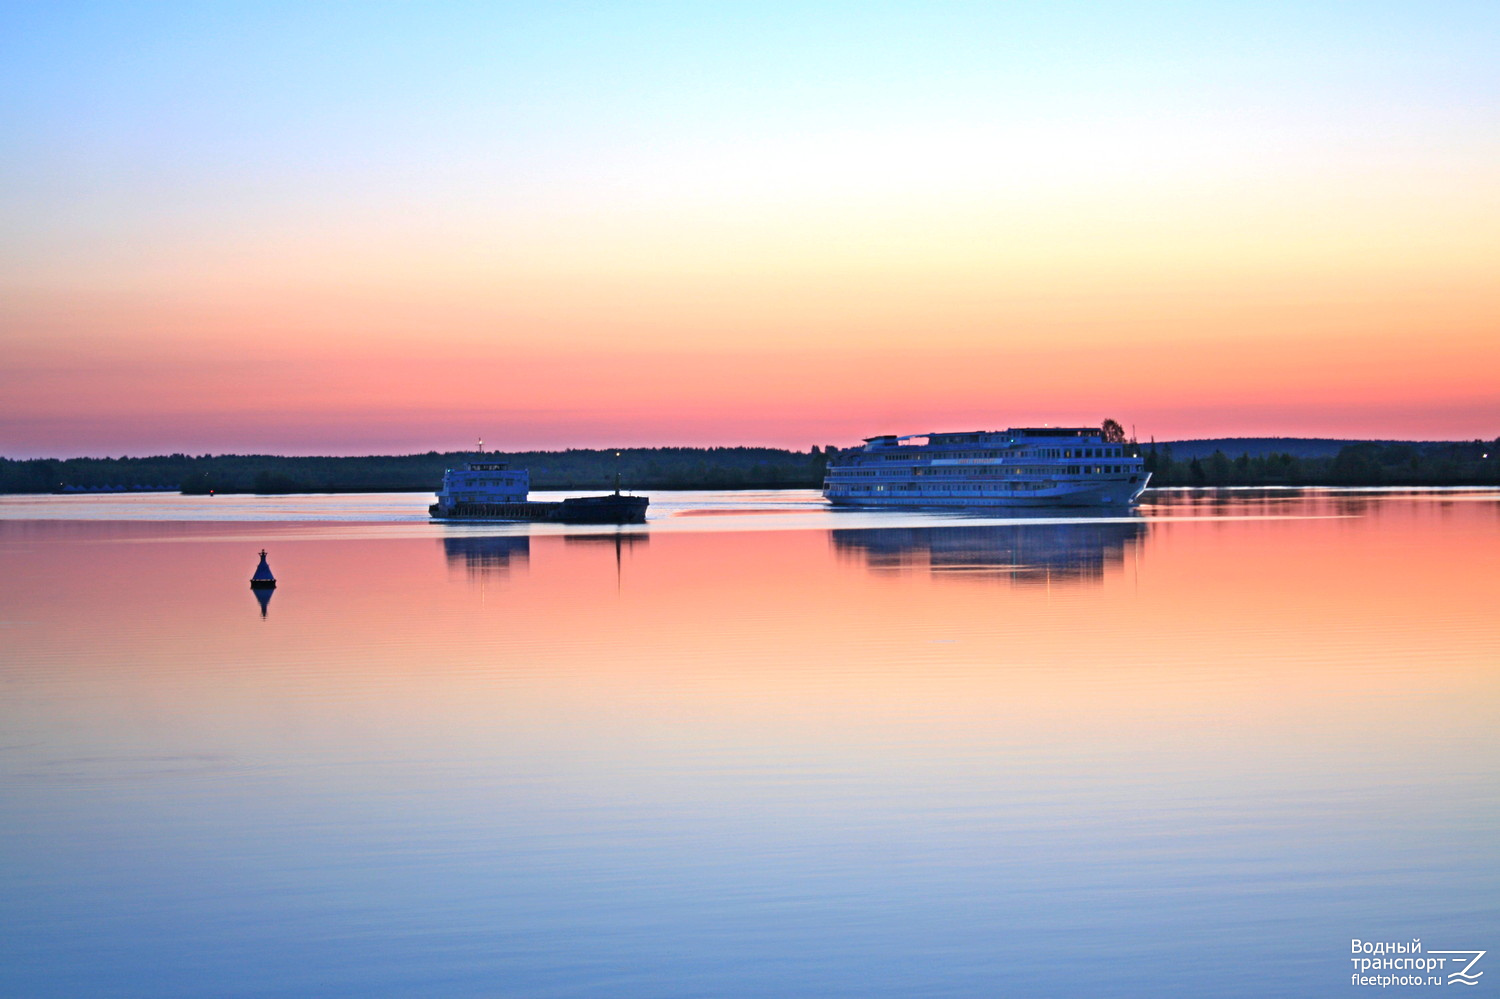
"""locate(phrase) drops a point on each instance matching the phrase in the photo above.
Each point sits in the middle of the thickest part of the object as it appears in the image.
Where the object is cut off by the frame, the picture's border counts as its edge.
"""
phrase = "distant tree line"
(1444, 464)
(639, 468)
(1371, 464)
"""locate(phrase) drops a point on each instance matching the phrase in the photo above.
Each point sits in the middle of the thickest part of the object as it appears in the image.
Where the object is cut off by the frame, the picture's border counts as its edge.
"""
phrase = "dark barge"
(490, 490)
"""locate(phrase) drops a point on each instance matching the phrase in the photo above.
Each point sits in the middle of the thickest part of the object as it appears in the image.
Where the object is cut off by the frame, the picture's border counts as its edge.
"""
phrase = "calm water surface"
(754, 748)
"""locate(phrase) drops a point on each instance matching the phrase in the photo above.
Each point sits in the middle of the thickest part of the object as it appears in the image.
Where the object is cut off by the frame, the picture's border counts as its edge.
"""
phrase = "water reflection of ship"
(619, 539)
(1023, 553)
(487, 555)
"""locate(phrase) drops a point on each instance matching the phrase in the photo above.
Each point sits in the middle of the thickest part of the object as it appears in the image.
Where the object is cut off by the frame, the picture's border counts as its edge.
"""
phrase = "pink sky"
(578, 234)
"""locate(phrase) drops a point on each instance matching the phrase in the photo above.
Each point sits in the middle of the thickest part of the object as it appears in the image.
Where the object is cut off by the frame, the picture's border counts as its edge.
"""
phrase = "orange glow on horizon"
(1286, 257)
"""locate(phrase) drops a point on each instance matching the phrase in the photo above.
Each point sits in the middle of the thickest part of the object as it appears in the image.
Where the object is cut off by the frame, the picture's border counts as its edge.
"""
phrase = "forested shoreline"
(1363, 464)
(1459, 463)
(638, 468)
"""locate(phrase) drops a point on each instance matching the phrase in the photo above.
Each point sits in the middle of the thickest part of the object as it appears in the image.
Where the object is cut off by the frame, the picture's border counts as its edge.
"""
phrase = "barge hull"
(577, 510)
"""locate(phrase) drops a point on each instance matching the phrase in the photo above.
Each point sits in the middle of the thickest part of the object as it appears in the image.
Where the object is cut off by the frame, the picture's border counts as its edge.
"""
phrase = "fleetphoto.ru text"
(1403, 963)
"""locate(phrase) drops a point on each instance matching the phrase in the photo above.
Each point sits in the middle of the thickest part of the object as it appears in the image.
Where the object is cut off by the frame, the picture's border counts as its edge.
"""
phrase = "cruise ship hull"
(1095, 494)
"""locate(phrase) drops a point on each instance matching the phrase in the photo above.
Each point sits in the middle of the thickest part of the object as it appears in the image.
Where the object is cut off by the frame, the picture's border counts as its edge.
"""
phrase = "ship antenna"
(617, 473)
(481, 445)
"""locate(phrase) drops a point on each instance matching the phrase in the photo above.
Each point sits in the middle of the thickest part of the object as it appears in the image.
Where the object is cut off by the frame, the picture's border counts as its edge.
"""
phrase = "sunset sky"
(353, 228)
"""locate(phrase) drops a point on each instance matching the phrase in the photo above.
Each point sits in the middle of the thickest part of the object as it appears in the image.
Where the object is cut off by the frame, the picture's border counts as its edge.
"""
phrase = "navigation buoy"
(263, 580)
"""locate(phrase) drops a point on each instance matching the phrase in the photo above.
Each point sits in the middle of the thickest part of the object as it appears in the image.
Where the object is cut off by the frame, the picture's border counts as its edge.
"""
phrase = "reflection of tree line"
(1312, 501)
(1023, 553)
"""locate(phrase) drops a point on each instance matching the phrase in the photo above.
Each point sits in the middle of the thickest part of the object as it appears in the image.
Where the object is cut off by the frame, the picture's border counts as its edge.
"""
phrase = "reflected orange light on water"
(1239, 639)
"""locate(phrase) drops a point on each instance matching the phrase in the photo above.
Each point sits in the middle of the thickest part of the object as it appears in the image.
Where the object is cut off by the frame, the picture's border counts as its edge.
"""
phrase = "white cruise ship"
(1024, 467)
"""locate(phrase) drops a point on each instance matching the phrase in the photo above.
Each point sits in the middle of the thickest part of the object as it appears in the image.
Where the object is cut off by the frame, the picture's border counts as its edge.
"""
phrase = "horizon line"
(695, 447)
